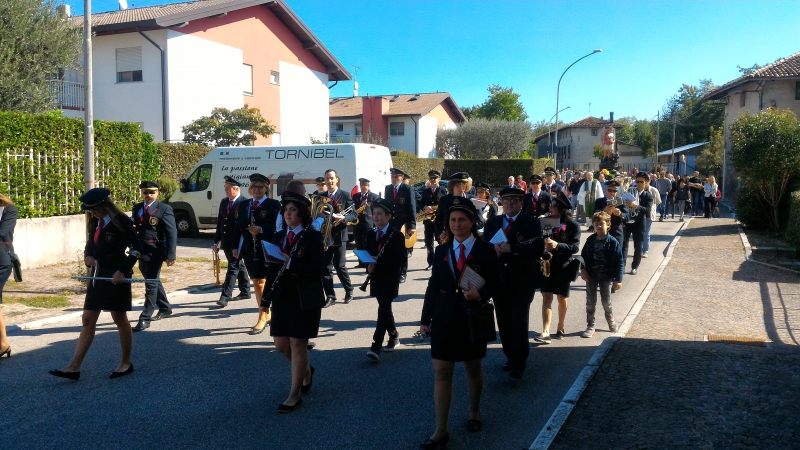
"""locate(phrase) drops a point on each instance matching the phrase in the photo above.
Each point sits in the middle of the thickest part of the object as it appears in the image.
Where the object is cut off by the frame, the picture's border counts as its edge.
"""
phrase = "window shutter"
(129, 59)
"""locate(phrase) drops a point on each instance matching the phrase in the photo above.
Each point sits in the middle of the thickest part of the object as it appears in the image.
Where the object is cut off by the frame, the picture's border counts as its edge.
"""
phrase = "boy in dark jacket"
(603, 267)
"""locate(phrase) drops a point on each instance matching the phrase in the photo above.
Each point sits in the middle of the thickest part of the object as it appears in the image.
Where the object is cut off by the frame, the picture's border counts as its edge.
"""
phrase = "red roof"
(586, 122)
(785, 68)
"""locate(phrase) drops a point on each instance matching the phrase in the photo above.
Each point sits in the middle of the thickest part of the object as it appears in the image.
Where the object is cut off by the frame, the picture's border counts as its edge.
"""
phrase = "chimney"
(355, 88)
(63, 10)
(611, 117)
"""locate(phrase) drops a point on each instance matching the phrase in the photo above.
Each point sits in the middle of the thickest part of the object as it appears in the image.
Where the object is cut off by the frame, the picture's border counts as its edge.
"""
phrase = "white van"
(202, 190)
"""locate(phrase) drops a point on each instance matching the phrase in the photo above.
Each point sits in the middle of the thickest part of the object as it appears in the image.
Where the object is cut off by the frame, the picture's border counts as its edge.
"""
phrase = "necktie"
(334, 199)
(395, 191)
(230, 203)
(462, 258)
(289, 243)
(145, 214)
(508, 227)
(378, 240)
(97, 232)
(256, 204)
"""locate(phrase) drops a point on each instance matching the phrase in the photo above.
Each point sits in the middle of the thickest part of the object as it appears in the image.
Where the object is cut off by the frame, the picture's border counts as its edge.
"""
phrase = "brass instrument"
(423, 216)
(546, 256)
(215, 258)
(321, 207)
(359, 211)
(410, 241)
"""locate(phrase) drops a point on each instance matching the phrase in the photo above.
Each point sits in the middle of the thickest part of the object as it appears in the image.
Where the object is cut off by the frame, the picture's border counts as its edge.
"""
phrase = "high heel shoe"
(307, 387)
(6, 352)
(430, 444)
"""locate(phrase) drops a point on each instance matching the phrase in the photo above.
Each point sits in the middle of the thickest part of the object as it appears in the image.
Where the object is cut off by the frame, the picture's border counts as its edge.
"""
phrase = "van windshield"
(199, 179)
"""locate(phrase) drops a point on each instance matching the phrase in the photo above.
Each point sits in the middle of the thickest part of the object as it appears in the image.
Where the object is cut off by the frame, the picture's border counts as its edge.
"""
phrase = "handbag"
(16, 266)
(482, 326)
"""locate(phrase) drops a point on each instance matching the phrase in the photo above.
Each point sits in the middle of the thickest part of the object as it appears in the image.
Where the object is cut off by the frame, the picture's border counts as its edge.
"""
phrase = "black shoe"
(254, 331)
(141, 326)
(473, 426)
(507, 366)
(430, 266)
(127, 371)
(348, 297)
(330, 302)
(633, 271)
(403, 278)
(162, 314)
(287, 409)
(222, 302)
(311, 345)
(430, 444)
(307, 387)
(242, 296)
(516, 373)
(74, 376)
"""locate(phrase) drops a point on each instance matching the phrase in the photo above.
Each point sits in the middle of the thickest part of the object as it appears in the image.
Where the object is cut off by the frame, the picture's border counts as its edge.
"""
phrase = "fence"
(68, 94)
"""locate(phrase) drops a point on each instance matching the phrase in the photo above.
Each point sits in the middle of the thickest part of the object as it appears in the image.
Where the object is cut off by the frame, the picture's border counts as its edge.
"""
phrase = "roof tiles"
(788, 67)
(403, 104)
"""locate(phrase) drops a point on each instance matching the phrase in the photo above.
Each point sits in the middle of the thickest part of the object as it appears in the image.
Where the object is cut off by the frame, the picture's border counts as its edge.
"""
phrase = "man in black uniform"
(430, 199)
(223, 238)
(155, 225)
(256, 220)
(456, 187)
(321, 189)
(404, 203)
(513, 303)
(550, 185)
(363, 199)
(619, 213)
(536, 203)
(335, 256)
(638, 213)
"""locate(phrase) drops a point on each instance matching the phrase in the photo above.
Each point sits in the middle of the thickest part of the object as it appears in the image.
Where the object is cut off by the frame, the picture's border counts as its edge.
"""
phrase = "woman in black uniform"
(489, 210)
(564, 242)
(8, 221)
(110, 234)
(296, 295)
(453, 316)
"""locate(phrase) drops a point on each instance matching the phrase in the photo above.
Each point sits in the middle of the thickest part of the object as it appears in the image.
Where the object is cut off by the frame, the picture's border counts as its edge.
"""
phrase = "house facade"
(776, 85)
(407, 122)
(165, 66)
(575, 142)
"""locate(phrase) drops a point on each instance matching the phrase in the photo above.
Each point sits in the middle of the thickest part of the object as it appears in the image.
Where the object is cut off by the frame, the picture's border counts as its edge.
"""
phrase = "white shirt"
(383, 230)
(297, 231)
(141, 211)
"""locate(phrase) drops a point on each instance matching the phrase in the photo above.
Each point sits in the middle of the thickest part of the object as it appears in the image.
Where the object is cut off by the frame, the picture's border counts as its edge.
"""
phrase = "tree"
(693, 118)
(711, 156)
(748, 70)
(36, 44)
(503, 103)
(638, 132)
(765, 149)
(597, 151)
(484, 138)
(226, 128)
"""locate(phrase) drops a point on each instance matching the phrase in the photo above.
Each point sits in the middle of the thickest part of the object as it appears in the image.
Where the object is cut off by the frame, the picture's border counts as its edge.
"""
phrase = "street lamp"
(550, 148)
(558, 90)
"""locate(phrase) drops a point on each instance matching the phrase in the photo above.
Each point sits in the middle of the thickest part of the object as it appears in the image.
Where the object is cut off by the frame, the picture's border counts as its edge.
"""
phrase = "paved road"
(202, 382)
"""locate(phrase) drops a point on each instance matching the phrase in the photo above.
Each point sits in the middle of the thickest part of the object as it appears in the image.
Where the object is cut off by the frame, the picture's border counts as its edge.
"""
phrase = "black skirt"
(557, 283)
(256, 268)
(453, 343)
(104, 296)
(289, 319)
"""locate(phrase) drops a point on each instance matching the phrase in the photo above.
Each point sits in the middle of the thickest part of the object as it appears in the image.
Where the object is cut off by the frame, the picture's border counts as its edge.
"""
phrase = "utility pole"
(672, 157)
(88, 125)
(658, 135)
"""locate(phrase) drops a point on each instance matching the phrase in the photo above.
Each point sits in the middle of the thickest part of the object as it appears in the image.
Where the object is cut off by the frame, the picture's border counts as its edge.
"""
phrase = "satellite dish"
(123, 4)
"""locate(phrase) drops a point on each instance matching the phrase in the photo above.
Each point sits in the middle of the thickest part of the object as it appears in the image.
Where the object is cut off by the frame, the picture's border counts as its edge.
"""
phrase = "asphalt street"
(201, 381)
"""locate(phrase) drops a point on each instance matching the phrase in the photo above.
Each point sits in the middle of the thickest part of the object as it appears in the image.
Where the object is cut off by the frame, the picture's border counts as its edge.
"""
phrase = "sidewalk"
(665, 385)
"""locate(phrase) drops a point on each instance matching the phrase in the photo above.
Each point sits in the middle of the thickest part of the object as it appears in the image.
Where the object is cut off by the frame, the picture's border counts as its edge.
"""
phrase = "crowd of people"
(486, 264)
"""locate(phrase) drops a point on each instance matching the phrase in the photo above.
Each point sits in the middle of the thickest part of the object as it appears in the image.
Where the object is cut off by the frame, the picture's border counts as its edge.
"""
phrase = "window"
(358, 129)
(397, 128)
(129, 64)
(247, 73)
(742, 99)
(275, 77)
(594, 131)
(199, 179)
(339, 127)
(797, 91)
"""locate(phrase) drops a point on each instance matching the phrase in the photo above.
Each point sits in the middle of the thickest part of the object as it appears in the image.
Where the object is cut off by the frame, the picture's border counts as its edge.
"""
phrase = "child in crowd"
(603, 267)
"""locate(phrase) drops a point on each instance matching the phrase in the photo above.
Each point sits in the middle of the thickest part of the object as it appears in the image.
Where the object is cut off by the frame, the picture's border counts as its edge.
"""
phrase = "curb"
(748, 252)
(56, 319)
(551, 429)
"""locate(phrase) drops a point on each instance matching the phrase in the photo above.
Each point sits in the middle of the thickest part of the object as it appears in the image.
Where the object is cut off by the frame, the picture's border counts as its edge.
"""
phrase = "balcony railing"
(68, 94)
(345, 138)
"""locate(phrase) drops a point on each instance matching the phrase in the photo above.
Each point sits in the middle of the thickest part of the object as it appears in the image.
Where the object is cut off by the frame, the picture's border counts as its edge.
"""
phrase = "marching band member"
(335, 257)
(513, 301)
(363, 199)
(296, 296)
(456, 318)
(549, 185)
(8, 221)
(155, 225)
(417, 206)
(537, 202)
(388, 244)
(563, 244)
(321, 186)
(619, 214)
(430, 198)
(489, 210)
(223, 238)
(457, 187)
(256, 220)
(638, 214)
(113, 233)
(404, 205)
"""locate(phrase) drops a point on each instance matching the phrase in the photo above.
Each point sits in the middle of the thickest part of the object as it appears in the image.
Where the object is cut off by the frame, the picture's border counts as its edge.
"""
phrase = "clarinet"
(285, 263)
(252, 224)
(363, 287)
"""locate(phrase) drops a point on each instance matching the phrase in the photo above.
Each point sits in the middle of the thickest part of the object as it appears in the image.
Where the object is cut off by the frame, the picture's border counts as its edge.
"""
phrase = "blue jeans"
(646, 244)
(697, 203)
(662, 207)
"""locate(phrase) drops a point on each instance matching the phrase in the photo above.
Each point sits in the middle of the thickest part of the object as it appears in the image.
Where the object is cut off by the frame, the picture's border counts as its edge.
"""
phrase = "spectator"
(573, 188)
(682, 195)
(696, 188)
(589, 192)
(511, 182)
(710, 190)
(522, 184)
(602, 179)
(716, 202)
(560, 182)
(602, 268)
(648, 222)
(664, 186)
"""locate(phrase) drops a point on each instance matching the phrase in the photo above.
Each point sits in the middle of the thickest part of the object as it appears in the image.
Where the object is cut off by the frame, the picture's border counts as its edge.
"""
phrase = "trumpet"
(321, 207)
(215, 258)
(359, 211)
(423, 216)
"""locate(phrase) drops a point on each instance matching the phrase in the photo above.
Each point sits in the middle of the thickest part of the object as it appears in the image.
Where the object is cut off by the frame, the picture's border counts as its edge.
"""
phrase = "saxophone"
(423, 216)
(546, 256)
(321, 207)
(360, 210)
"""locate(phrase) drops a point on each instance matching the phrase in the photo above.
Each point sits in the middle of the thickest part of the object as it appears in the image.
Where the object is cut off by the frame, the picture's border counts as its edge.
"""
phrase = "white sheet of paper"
(469, 276)
(499, 238)
(479, 204)
(364, 257)
(273, 251)
(628, 197)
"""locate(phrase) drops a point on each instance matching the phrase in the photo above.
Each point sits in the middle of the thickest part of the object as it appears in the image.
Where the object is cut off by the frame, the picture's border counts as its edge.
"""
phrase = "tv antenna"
(355, 82)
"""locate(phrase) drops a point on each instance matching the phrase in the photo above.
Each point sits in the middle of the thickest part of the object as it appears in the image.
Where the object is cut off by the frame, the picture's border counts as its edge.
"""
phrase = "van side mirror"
(183, 184)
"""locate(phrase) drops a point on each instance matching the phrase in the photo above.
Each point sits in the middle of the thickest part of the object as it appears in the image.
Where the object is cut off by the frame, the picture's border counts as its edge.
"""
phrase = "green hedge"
(178, 159)
(417, 168)
(41, 162)
(792, 232)
(495, 172)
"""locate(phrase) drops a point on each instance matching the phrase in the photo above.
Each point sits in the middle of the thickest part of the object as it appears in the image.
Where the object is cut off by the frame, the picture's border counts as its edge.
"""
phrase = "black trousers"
(385, 322)
(154, 295)
(236, 272)
(430, 237)
(360, 233)
(637, 231)
(512, 309)
(335, 259)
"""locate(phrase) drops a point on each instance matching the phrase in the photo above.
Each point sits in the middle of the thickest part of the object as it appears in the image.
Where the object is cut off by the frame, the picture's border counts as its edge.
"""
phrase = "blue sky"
(650, 48)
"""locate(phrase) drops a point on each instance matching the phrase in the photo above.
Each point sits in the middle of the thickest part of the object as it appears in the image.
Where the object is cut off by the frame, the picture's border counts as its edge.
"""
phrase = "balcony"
(69, 95)
(344, 138)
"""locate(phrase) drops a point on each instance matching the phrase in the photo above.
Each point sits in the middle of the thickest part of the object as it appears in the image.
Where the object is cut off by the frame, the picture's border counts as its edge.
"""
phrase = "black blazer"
(302, 281)
(540, 208)
(343, 201)
(444, 204)
(158, 235)
(554, 189)
(443, 295)
(226, 223)
(265, 217)
(385, 279)
(568, 239)
(527, 246)
(431, 197)
(7, 224)
(491, 211)
(405, 206)
(111, 245)
(365, 220)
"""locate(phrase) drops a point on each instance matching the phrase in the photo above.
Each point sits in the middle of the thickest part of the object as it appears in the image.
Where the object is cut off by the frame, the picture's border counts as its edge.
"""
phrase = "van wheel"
(183, 224)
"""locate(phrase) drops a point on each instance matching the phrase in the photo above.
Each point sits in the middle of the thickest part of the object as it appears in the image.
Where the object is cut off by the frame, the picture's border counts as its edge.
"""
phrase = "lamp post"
(558, 90)
(88, 118)
(550, 147)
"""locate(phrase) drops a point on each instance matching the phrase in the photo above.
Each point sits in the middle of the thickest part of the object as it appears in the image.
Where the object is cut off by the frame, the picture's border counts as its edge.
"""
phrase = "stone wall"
(51, 240)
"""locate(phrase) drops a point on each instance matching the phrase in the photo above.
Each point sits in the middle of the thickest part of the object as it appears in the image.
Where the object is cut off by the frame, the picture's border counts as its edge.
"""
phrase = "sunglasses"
(259, 186)
(536, 182)
(611, 190)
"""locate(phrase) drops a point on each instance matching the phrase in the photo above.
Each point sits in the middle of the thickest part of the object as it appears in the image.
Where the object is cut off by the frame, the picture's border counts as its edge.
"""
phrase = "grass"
(764, 238)
(40, 301)
(195, 259)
